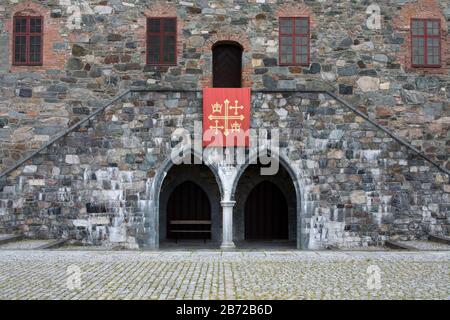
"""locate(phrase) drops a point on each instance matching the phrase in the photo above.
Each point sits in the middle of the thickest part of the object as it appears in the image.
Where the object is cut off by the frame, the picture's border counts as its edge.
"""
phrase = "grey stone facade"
(353, 184)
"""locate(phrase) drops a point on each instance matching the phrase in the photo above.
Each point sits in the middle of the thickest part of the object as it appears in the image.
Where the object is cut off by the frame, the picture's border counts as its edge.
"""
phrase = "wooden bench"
(191, 223)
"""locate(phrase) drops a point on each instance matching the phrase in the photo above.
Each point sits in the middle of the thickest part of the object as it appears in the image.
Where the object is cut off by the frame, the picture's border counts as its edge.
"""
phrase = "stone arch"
(303, 216)
(216, 215)
(151, 219)
(239, 37)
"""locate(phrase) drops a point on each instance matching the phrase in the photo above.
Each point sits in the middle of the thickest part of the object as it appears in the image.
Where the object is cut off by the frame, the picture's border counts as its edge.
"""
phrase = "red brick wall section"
(239, 37)
(402, 26)
(298, 10)
(158, 10)
(52, 59)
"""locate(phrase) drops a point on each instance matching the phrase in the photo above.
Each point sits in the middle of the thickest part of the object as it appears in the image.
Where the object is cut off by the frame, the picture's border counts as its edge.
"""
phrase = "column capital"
(227, 203)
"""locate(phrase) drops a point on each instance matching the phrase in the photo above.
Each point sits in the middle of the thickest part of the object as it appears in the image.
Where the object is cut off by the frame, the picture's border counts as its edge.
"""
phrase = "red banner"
(226, 117)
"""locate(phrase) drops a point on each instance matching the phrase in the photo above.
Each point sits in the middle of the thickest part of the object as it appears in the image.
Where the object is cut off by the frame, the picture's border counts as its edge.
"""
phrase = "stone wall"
(358, 186)
(357, 183)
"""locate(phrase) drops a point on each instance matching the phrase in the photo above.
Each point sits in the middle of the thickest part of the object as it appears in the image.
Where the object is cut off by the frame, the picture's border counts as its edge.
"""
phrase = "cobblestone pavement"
(53, 274)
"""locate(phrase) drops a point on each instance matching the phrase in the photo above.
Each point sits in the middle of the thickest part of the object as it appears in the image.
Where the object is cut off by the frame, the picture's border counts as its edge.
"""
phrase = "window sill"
(426, 66)
(27, 65)
(294, 64)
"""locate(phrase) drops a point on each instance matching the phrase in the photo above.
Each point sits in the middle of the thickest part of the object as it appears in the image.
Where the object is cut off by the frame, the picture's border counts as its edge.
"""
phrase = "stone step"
(53, 244)
(440, 239)
(397, 245)
(10, 238)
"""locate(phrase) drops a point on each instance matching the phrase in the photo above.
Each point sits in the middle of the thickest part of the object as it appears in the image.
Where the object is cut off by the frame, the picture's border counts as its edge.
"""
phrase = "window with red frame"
(28, 40)
(161, 41)
(426, 42)
(294, 41)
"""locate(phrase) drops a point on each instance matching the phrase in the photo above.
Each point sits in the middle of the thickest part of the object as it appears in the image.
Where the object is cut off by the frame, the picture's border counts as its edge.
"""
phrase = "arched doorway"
(266, 210)
(188, 201)
(188, 213)
(227, 64)
(266, 213)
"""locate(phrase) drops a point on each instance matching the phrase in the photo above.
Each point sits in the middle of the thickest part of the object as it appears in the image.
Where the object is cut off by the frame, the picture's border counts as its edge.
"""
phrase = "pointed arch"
(152, 210)
(303, 215)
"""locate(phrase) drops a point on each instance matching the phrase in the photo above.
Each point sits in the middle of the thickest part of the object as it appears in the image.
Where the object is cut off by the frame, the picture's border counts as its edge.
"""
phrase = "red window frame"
(27, 34)
(293, 35)
(425, 38)
(161, 34)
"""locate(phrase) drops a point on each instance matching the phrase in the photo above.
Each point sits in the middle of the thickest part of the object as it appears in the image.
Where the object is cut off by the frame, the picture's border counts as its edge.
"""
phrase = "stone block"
(367, 84)
(72, 159)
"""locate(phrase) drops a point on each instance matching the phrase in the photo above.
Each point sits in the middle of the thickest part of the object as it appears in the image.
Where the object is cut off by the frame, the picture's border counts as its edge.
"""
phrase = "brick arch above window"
(424, 10)
(51, 58)
(239, 37)
(297, 10)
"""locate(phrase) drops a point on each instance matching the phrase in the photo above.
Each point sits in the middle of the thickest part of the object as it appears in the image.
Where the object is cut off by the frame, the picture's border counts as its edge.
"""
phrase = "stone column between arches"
(227, 175)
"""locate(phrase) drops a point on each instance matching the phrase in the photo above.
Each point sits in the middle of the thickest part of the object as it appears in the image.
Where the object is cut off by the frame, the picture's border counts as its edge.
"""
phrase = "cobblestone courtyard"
(26, 274)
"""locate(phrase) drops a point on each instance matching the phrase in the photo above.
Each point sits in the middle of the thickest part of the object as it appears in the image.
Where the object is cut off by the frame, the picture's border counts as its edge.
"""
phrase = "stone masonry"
(354, 184)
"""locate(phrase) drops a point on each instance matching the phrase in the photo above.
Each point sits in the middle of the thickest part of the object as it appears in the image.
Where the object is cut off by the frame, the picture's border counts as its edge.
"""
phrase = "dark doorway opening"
(227, 65)
(266, 213)
(188, 213)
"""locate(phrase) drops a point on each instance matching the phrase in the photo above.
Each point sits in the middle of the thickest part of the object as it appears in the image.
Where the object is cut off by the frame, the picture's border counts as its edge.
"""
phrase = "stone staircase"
(92, 181)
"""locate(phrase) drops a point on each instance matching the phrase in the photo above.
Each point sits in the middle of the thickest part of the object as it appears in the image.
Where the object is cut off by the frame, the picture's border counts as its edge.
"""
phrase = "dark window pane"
(302, 41)
(153, 49)
(301, 26)
(418, 27)
(169, 49)
(154, 41)
(169, 25)
(35, 25)
(435, 60)
(286, 40)
(286, 49)
(20, 49)
(20, 25)
(432, 28)
(436, 52)
(421, 60)
(169, 41)
(154, 25)
(35, 48)
(286, 26)
(301, 59)
(302, 50)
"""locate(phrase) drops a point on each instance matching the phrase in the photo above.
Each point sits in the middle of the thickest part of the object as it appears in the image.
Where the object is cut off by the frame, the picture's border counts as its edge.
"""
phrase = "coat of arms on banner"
(226, 117)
